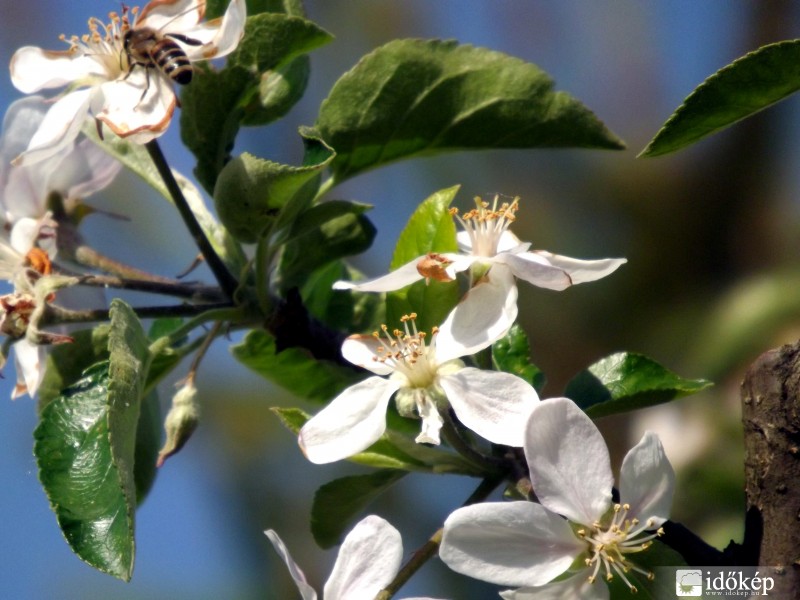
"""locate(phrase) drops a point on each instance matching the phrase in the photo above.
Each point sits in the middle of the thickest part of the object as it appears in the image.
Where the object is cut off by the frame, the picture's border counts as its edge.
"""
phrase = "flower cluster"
(528, 545)
(115, 74)
(120, 74)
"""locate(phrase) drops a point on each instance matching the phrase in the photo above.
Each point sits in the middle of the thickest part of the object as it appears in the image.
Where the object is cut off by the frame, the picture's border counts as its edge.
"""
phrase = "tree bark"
(771, 416)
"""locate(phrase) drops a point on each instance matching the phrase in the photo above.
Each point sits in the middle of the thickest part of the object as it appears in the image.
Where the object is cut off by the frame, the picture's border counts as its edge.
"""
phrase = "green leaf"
(341, 310)
(82, 482)
(67, 362)
(626, 381)
(744, 87)
(258, 84)
(294, 368)
(413, 97)
(136, 159)
(86, 446)
(338, 503)
(512, 355)
(430, 229)
(148, 441)
(252, 192)
(291, 418)
(322, 234)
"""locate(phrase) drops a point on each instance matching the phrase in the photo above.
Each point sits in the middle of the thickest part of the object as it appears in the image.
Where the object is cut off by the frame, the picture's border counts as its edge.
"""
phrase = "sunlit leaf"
(742, 88)
(626, 381)
(414, 97)
(430, 229)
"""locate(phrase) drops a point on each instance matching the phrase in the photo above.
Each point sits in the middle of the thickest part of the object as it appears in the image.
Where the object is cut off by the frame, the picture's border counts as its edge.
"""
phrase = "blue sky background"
(199, 533)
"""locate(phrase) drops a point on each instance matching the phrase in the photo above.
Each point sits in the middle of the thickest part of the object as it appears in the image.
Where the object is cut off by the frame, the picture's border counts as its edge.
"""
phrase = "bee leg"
(99, 124)
(146, 84)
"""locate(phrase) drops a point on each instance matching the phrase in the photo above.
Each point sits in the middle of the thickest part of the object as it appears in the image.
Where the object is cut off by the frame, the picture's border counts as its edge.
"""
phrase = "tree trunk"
(771, 416)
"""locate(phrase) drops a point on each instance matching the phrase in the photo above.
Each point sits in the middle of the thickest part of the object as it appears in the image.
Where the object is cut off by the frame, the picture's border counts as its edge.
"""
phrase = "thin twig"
(168, 288)
(224, 277)
(56, 315)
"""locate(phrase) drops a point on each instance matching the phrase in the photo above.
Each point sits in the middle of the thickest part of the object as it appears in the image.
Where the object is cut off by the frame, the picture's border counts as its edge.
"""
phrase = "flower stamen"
(610, 545)
(486, 223)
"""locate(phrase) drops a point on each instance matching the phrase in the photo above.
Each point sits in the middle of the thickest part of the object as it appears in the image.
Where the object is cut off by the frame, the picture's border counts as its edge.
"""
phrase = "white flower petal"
(494, 405)
(34, 69)
(431, 422)
(306, 591)
(647, 481)
(352, 422)
(362, 351)
(129, 114)
(29, 360)
(514, 543)
(482, 317)
(511, 243)
(84, 171)
(530, 267)
(582, 271)
(24, 234)
(368, 560)
(59, 128)
(568, 460)
(171, 16)
(20, 122)
(397, 279)
(576, 587)
(219, 36)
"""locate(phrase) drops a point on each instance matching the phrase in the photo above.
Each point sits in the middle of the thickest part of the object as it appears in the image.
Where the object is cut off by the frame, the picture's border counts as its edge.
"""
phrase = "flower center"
(405, 351)
(104, 40)
(486, 223)
(609, 547)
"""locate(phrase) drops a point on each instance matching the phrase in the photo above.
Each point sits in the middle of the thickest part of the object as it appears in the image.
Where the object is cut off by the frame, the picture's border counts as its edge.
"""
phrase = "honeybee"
(151, 49)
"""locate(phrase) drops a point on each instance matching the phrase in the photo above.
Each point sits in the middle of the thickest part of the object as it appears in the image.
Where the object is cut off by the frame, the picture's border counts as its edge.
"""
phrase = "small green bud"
(182, 419)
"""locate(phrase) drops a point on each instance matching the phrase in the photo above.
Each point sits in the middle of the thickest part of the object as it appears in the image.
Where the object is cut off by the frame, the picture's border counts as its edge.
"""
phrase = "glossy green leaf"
(294, 369)
(252, 192)
(82, 482)
(322, 234)
(512, 355)
(626, 381)
(257, 85)
(338, 503)
(742, 88)
(86, 446)
(430, 229)
(67, 362)
(413, 97)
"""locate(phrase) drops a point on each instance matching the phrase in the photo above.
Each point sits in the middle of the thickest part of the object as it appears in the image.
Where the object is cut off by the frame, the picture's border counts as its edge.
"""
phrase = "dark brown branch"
(771, 416)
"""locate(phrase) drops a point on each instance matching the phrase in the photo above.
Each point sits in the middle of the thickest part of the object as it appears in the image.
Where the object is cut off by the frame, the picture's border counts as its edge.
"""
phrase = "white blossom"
(29, 245)
(368, 561)
(528, 545)
(135, 100)
(496, 258)
(425, 378)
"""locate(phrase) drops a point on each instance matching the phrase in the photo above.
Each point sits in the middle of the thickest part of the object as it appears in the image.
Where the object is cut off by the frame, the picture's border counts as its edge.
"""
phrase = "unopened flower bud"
(181, 421)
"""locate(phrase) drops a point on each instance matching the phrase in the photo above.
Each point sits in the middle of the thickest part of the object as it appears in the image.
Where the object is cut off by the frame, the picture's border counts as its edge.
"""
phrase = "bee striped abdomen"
(172, 60)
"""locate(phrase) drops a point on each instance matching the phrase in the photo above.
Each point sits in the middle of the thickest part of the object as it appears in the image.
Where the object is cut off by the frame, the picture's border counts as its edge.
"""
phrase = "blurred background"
(711, 236)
